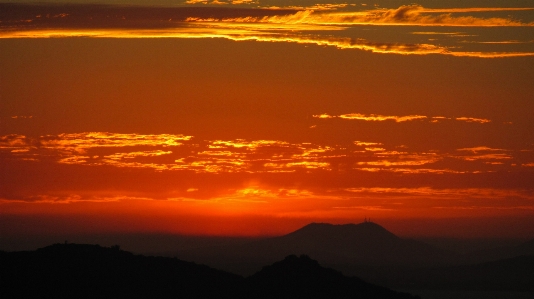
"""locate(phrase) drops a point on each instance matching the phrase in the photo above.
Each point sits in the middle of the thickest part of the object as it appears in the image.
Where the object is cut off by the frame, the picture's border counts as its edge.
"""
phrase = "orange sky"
(249, 121)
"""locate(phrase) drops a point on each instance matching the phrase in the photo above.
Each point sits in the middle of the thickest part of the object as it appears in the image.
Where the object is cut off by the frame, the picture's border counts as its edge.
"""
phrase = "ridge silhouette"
(364, 244)
(302, 277)
(92, 271)
(500, 253)
(365, 230)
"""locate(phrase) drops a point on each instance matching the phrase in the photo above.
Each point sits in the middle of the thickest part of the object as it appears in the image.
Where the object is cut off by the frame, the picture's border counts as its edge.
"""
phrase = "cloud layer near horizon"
(267, 178)
(167, 152)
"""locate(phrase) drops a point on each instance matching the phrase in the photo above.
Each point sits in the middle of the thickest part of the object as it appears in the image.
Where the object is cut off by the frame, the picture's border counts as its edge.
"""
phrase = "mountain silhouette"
(92, 271)
(365, 243)
(302, 277)
(513, 274)
(499, 253)
(342, 247)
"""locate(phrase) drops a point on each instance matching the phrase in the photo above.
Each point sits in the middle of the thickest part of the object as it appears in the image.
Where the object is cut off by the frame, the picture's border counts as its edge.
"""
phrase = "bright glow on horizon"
(251, 118)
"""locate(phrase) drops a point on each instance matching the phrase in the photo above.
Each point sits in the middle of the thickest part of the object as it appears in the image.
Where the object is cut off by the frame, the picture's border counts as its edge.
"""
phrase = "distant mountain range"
(369, 251)
(513, 274)
(91, 271)
(364, 244)
(366, 250)
(499, 253)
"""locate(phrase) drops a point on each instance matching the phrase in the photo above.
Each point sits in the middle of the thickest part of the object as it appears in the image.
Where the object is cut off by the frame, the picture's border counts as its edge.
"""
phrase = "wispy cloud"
(21, 116)
(398, 118)
(289, 25)
(304, 202)
(171, 152)
(404, 15)
(222, 2)
(484, 153)
(444, 193)
(375, 117)
(481, 149)
(80, 142)
(472, 119)
(68, 199)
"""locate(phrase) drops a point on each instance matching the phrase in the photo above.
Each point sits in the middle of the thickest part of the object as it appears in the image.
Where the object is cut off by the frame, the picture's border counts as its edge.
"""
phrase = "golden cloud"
(397, 118)
(289, 26)
(472, 119)
(170, 152)
(414, 15)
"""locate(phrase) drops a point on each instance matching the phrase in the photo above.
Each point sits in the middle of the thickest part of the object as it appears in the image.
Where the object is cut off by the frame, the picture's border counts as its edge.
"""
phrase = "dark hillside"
(364, 244)
(92, 271)
(302, 277)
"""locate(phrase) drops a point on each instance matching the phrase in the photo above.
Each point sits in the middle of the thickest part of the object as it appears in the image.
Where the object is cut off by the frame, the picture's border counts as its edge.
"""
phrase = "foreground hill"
(302, 277)
(499, 253)
(91, 271)
(364, 245)
(514, 274)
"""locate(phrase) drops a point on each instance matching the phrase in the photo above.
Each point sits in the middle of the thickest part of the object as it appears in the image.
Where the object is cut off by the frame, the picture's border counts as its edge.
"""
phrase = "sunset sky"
(254, 118)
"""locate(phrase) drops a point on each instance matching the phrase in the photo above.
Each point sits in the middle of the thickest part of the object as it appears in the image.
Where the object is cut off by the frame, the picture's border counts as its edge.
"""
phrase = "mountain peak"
(364, 230)
(303, 277)
(348, 225)
(291, 264)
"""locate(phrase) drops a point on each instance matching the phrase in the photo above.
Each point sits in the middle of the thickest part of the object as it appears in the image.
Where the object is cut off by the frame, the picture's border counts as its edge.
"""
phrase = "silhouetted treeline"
(92, 271)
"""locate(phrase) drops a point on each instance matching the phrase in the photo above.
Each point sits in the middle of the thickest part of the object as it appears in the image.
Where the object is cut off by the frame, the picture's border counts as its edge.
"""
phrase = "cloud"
(446, 193)
(504, 42)
(324, 115)
(240, 24)
(366, 143)
(131, 155)
(78, 16)
(472, 119)
(484, 153)
(481, 149)
(375, 117)
(13, 141)
(222, 2)
(21, 116)
(177, 153)
(70, 198)
(398, 118)
(80, 142)
(414, 15)
(248, 34)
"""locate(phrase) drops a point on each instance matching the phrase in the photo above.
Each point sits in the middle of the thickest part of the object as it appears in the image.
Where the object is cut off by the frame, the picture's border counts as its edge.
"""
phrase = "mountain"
(92, 271)
(338, 246)
(366, 243)
(499, 253)
(513, 274)
(302, 277)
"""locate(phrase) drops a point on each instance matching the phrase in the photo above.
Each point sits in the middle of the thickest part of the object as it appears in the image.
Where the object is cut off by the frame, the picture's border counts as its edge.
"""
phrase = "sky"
(254, 118)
